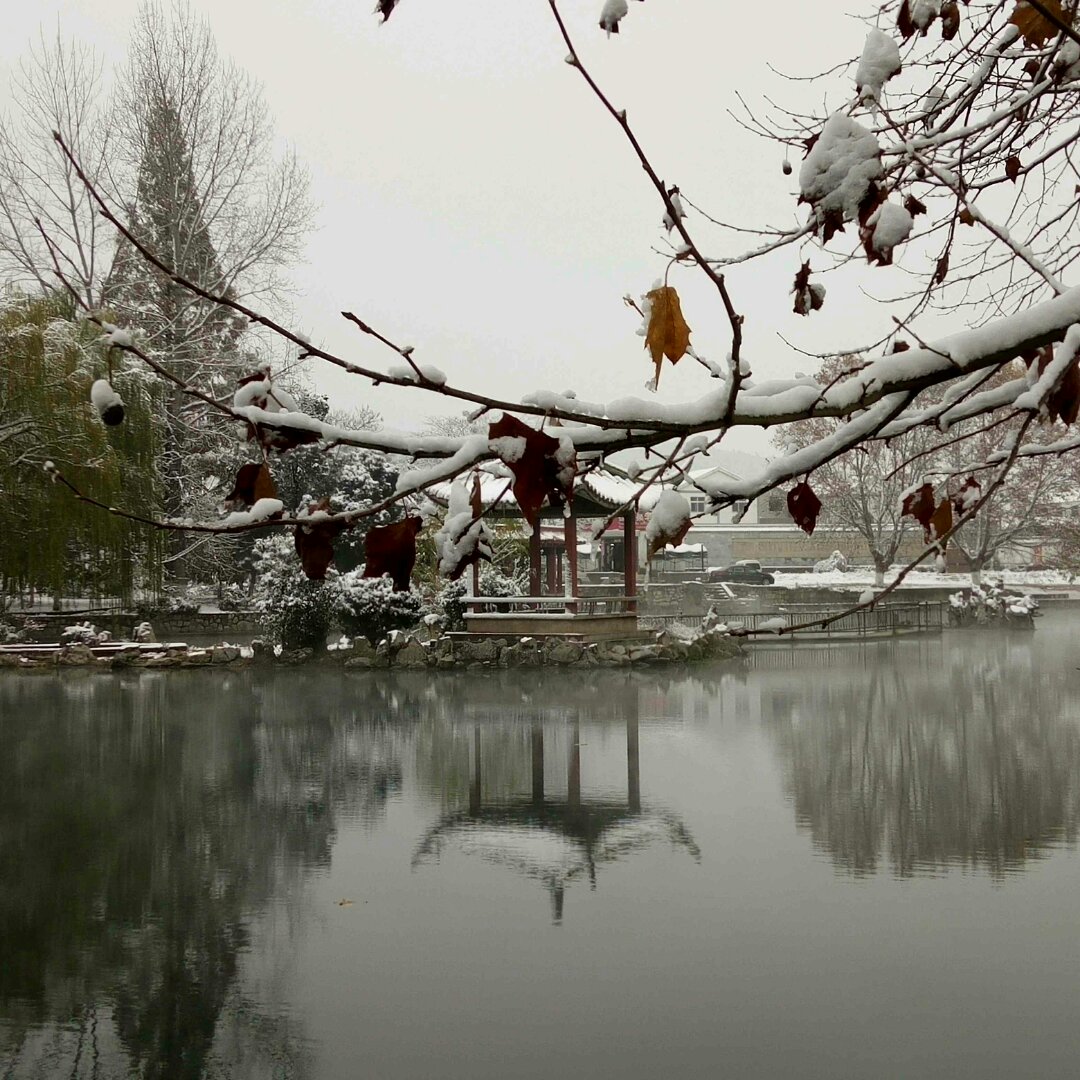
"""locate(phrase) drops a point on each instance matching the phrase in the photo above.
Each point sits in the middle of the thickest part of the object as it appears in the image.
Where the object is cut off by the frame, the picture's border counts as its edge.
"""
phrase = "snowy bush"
(449, 602)
(14, 633)
(84, 633)
(992, 605)
(295, 612)
(449, 607)
(234, 597)
(837, 561)
(370, 608)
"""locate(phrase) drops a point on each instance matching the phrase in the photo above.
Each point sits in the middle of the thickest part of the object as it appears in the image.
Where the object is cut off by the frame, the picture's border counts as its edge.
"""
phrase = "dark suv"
(745, 572)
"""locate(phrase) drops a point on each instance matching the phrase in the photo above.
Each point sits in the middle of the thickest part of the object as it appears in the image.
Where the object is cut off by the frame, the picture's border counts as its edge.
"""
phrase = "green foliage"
(493, 582)
(55, 543)
(370, 608)
(296, 612)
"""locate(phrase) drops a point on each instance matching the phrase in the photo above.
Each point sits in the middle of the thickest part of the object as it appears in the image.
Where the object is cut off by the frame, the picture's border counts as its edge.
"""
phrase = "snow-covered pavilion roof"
(597, 493)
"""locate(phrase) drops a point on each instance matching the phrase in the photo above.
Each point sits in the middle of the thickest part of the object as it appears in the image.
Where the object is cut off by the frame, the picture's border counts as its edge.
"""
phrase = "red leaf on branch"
(913, 206)
(807, 297)
(903, 21)
(385, 8)
(543, 467)
(1063, 402)
(253, 482)
(804, 506)
(1012, 167)
(391, 550)
(950, 20)
(920, 505)
(941, 521)
(314, 541)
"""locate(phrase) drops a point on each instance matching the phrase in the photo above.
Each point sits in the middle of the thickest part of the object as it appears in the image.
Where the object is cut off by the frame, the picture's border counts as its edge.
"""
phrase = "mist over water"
(847, 862)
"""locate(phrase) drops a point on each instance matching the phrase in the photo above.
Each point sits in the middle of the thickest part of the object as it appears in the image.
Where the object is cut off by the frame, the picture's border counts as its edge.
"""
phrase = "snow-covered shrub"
(449, 607)
(14, 632)
(837, 561)
(295, 612)
(493, 582)
(370, 608)
(169, 603)
(234, 597)
(992, 605)
(84, 633)
(449, 601)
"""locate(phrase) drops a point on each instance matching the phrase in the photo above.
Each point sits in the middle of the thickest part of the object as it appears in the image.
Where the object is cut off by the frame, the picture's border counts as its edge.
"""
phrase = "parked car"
(744, 572)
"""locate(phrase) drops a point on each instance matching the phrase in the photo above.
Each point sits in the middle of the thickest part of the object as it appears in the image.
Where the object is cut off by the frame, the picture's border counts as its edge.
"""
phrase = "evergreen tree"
(198, 340)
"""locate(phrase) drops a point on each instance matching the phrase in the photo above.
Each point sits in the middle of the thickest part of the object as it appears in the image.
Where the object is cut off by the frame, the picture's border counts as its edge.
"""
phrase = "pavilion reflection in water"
(553, 838)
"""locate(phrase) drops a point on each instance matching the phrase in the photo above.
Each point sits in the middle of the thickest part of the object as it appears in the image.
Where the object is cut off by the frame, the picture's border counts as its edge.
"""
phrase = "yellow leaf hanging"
(667, 333)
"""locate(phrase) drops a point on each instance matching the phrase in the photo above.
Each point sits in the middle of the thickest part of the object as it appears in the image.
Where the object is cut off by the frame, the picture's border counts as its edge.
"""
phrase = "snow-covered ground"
(860, 578)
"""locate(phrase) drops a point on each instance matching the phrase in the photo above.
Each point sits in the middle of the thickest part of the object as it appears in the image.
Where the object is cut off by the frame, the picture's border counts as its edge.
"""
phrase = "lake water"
(850, 863)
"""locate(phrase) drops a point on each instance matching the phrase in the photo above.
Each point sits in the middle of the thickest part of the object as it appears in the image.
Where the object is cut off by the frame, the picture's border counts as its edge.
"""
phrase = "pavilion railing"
(600, 603)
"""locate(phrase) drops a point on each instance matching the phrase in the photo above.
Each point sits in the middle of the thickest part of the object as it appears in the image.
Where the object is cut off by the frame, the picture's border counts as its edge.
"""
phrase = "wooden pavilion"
(557, 603)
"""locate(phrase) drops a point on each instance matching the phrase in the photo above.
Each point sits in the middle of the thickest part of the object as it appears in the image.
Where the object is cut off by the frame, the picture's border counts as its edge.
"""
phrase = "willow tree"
(48, 541)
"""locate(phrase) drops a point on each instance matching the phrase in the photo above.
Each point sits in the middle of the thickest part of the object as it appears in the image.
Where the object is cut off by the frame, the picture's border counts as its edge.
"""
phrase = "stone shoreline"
(401, 651)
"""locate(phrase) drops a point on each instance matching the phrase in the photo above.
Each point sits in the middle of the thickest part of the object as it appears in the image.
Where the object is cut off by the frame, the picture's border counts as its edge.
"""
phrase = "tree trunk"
(880, 566)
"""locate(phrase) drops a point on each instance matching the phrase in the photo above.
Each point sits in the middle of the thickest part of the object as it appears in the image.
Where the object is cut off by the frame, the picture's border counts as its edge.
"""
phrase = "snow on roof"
(607, 489)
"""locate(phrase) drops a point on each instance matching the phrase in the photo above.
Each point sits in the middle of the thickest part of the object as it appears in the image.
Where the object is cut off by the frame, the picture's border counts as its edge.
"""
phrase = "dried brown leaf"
(543, 470)
(804, 507)
(253, 482)
(1034, 27)
(391, 550)
(920, 505)
(950, 20)
(667, 333)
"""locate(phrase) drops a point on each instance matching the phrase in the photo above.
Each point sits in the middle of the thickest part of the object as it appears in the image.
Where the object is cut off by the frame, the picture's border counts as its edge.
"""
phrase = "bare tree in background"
(58, 88)
(185, 145)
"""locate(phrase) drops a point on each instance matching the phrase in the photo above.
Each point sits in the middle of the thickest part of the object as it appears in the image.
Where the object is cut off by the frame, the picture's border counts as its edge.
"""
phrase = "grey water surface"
(850, 862)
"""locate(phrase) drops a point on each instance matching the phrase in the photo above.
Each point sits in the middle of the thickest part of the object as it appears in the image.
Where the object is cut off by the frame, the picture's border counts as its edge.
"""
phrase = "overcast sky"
(476, 202)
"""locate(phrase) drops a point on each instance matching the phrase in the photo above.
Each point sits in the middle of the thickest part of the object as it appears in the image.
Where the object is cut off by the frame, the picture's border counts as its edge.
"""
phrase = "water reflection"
(922, 758)
(555, 839)
(146, 822)
(170, 847)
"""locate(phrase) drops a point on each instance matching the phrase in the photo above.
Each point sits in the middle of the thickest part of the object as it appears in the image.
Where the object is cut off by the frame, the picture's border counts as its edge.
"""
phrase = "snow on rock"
(890, 224)
(840, 167)
(879, 62)
(261, 511)
(835, 563)
(107, 402)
